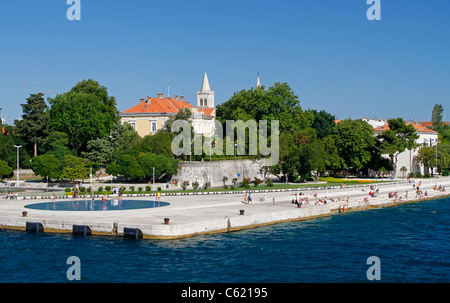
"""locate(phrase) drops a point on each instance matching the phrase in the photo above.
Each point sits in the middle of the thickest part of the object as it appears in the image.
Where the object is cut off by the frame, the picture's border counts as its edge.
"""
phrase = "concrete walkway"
(203, 214)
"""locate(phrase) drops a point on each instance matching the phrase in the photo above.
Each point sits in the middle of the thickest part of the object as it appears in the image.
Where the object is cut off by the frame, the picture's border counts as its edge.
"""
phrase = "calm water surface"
(412, 242)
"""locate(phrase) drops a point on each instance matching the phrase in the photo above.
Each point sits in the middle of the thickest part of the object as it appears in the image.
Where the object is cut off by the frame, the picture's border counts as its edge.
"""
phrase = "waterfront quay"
(208, 213)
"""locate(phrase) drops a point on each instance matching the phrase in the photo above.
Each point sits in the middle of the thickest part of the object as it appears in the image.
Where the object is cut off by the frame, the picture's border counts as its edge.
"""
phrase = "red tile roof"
(164, 106)
(419, 129)
(155, 105)
(206, 111)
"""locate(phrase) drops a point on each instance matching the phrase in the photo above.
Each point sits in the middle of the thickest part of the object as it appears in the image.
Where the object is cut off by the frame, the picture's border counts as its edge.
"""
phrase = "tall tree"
(354, 141)
(323, 123)
(84, 113)
(428, 157)
(33, 126)
(436, 116)
(5, 170)
(395, 140)
(278, 102)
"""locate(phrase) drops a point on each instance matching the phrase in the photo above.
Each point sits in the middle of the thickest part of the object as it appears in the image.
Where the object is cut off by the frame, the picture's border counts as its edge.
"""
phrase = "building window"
(153, 126)
(132, 123)
(206, 102)
(201, 102)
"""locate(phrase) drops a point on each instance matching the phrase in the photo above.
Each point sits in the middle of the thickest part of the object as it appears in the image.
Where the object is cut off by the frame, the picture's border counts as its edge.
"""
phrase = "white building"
(375, 122)
(152, 113)
(408, 158)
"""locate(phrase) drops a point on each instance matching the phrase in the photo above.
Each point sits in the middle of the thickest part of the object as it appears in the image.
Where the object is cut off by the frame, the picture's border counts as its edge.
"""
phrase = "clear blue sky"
(326, 50)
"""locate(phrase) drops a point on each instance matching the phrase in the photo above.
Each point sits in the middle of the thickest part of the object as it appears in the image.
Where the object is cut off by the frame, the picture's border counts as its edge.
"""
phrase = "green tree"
(427, 156)
(444, 134)
(332, 159)
(395, 140)
(436, 116)
(84, 113)
(33, 126)
(5, 170)
(47, 165)
(164, 166)
(354, 141)
(74, 168)
(323, 123)
(123, 136)
(99, 151)
(8, 152)
(159, 143)
(277, 103)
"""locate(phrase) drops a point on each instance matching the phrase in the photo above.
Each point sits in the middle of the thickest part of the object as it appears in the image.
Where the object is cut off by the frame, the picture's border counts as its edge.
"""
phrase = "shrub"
(159, 188)
(184, 185)
(148, 188)
(100, 189)
(418, 175)
(246, 183)
(132, 189)
(68, 190)
(108, 188)
(140, 188)
(445, 173)
(83, 190)
(195, 185)
(427, 175)
(412, 175)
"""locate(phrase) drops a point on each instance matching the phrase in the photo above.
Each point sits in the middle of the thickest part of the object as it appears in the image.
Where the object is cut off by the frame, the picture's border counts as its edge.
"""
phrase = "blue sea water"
(411, 241)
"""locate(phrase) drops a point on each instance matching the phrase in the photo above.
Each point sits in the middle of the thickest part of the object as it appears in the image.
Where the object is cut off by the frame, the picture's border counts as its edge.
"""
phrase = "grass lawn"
(330, 181)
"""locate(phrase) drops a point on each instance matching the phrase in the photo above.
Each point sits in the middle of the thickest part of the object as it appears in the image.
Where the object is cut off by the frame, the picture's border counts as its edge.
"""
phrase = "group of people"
(439, 188)
(11, 196)
(248, 199)
(301, 201)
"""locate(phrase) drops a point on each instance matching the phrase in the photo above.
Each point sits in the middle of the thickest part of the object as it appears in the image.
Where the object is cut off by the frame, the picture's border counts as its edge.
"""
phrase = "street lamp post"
(437, 142)
(18, 179)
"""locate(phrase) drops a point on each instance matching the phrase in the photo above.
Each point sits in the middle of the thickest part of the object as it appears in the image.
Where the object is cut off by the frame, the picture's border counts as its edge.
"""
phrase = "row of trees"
(311, 141)
(80, 130)
(429, 155)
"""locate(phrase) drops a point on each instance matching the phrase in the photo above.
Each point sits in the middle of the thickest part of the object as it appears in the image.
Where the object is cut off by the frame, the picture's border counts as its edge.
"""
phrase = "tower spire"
(205, 85)
(258, 82)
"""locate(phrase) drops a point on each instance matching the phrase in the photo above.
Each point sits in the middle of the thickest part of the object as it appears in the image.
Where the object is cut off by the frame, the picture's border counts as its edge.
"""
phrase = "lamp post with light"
(18, 179)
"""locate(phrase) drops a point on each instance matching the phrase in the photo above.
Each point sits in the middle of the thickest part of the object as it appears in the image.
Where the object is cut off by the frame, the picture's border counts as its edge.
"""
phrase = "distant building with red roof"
(409, 158)
(151, 114)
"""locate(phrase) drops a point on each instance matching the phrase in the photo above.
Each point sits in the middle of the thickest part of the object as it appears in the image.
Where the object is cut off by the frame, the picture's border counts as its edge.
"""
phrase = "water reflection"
(117, 203)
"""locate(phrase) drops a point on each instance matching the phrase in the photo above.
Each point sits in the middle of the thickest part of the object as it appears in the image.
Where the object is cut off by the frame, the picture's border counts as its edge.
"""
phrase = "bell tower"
(205, 97)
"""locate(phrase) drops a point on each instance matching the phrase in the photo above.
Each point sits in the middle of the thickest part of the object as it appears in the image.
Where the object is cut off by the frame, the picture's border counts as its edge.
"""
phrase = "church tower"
(205, 97)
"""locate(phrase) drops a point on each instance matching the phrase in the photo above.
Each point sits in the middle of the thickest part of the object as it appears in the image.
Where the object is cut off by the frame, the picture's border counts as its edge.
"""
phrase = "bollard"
(24, 214)
(241, 212)
(166, 221)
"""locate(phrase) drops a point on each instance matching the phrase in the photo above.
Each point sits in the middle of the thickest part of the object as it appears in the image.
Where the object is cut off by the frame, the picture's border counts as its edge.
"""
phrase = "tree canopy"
(84, 113)
(33, 126)
(399, 137)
